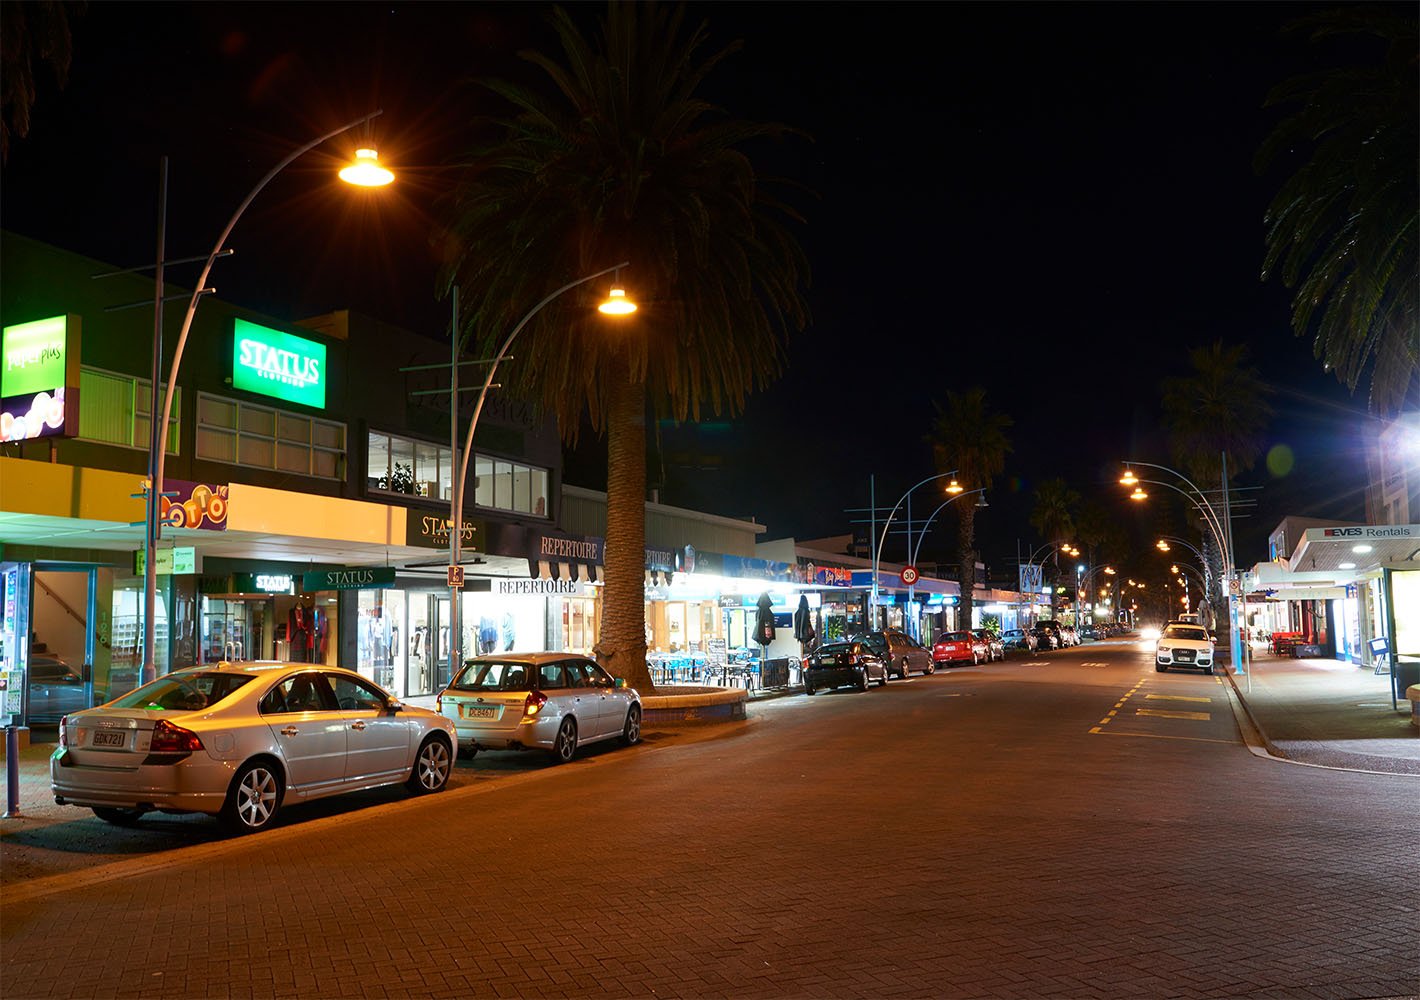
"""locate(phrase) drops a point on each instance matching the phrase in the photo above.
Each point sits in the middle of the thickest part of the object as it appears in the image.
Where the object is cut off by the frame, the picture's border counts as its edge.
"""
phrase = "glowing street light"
(617, 304)
(366, 170)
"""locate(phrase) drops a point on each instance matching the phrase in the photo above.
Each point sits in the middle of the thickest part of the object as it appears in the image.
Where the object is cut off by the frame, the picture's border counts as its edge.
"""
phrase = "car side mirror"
(394, 705)
(619, 682)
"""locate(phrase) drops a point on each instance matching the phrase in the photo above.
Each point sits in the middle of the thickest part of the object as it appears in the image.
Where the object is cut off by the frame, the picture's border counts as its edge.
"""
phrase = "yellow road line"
(1158, 736)
(1175, 697)
(1202, 716)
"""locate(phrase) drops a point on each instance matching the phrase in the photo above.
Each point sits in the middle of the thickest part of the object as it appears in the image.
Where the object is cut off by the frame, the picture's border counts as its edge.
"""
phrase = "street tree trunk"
(966, 569)
(621, 647)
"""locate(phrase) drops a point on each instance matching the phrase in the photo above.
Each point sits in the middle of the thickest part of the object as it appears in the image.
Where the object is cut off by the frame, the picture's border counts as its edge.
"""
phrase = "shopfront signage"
(39, 379)
(432, 531)
(539, 588)
(193, 505)
(166, 562)
(1353, 532)
(660, 559)
(263, 583)
(278, 364)
(548, 547)
(348, 578)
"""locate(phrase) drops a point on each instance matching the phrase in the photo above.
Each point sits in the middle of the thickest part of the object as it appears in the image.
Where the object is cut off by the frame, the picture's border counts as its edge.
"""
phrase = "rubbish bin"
(1406, 673)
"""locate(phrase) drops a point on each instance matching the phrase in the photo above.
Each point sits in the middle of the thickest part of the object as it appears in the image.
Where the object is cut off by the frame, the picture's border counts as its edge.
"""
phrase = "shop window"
(230, 430)
(113, 409)
(419, 468)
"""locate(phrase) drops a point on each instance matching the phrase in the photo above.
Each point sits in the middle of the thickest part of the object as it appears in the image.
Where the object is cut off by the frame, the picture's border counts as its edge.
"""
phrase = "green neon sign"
(35, 356)
(278, 364)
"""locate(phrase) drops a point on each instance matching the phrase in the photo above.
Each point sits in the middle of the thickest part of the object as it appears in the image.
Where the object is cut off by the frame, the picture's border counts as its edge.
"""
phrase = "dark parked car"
(843, 664)
(902, 653)
(1046, 637)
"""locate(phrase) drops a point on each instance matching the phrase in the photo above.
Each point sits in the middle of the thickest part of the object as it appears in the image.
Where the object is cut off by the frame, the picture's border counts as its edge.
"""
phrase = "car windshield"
(498, 675)
(1186, 632)
(184, 692)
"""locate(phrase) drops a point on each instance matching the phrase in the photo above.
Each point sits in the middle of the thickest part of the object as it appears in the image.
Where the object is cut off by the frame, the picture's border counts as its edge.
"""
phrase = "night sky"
(1055, 202)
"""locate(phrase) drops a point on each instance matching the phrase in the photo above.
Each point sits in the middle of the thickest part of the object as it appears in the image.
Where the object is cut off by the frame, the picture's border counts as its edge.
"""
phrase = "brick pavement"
(959, 836)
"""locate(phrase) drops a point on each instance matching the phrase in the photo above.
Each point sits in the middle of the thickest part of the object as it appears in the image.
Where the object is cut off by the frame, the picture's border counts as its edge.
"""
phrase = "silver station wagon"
(539, 701)
(240, 740)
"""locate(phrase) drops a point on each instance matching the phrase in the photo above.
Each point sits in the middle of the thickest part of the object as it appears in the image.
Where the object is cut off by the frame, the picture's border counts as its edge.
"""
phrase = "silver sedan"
(539, 701)
(241, 740)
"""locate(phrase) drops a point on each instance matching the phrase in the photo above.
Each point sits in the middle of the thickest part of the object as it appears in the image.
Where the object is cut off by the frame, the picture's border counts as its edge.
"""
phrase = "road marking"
(1158, 736)
(1176, 697)
(1201, 716)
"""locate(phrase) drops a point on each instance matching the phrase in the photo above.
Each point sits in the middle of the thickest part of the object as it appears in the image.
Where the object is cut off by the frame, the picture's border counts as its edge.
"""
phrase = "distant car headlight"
(1149, 633)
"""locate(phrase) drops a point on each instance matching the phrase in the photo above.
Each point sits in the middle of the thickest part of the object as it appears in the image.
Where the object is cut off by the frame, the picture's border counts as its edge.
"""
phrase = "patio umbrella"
(803, 621)
(764, 620)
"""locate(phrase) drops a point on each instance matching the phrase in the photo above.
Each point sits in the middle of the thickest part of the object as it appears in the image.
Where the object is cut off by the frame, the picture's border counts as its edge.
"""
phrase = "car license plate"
(480, 712)
(1184, 654)
(102, 739)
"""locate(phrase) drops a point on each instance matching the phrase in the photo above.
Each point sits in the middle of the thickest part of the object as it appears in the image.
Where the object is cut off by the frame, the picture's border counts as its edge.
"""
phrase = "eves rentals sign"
(278, 364)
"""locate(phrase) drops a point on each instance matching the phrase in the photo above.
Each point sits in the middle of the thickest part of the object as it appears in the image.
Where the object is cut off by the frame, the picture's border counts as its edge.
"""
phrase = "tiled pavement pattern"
(957, 836)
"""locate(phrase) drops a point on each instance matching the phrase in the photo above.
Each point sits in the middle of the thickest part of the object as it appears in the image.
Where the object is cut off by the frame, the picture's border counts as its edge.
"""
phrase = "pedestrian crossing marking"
(1175, 697)
(1202, 716)
(1094, 663)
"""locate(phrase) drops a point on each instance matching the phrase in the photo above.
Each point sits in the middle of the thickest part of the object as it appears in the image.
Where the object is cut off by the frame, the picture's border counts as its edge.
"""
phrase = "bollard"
(12, 771)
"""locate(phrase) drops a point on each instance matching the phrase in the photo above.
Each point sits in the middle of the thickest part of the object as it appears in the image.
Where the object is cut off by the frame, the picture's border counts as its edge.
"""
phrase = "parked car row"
(241, 740)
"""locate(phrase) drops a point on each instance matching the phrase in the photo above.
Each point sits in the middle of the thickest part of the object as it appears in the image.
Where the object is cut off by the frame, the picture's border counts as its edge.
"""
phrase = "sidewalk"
(1330, 713)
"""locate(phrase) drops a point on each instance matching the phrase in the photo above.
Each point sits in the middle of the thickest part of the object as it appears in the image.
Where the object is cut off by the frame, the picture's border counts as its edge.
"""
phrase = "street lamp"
(617, 304)
(365, 172)
(958, 492)
(1219, 526)
(878, 550)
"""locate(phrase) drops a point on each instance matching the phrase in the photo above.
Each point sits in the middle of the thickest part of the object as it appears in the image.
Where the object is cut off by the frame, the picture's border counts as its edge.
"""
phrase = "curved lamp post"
(617, 304)
(1220, 526)
(913, 549)
(953, 487)
(365, 172)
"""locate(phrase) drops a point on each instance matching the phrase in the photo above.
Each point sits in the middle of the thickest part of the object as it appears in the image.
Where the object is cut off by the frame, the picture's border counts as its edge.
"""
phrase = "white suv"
(1184, 645)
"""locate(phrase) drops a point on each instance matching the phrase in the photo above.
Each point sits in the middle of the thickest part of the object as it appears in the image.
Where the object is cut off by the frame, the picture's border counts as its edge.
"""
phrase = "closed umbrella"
(764, 620)
(803, 621)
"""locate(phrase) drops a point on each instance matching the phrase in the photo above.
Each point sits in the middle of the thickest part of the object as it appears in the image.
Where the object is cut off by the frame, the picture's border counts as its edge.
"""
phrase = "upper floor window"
(416, 468)
(242, 433)
(113, 408)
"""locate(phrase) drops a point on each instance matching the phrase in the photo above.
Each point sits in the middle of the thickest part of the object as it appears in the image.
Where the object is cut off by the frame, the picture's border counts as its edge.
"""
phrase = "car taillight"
(534, 703)
(439, 703)
(168, 738)
(63, 735)
(852, 659)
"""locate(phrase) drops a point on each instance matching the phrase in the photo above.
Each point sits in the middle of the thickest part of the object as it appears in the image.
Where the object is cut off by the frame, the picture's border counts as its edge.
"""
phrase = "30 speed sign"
(909, 575)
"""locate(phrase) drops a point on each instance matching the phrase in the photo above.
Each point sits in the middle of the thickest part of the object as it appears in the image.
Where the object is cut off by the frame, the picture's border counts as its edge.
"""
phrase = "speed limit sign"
(909, 575)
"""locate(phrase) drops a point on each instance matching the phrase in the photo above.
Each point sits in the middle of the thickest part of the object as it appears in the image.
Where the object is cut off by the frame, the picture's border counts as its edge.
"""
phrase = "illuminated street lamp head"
(1173, 569)
(1138, 494)
(954, 486)
(1161, 545)
(1109, 571)
(1128, 479)
(617, 304)
(366, 170)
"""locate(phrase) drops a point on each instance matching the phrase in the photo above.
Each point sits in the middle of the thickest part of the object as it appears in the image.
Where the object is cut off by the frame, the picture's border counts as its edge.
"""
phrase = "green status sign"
(278, 364)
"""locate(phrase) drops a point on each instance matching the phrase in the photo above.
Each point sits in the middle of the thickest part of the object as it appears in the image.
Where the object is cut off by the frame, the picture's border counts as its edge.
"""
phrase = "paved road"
(981, 833)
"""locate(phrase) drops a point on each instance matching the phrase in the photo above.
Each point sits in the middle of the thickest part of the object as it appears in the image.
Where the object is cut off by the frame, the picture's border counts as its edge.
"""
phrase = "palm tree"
(1053, 513)
(1220, 407)
(620, 160)
(968, 437)
(32, 32)
(1342, 228)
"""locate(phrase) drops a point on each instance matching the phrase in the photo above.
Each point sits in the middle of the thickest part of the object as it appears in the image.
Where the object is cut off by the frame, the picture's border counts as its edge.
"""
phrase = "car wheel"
(253, 798)
(930, 668)
(631, 732)
(808, 689)
(467, 753)
(1160, 667)
(975, 660)
(882, 681)
(564, 747)
(431, 768)
(863, 679)
(902, 670)
(118, 816)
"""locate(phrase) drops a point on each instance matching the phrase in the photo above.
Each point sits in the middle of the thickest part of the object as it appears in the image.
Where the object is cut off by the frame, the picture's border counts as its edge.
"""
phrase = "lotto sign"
(909, 575)
(277, 364)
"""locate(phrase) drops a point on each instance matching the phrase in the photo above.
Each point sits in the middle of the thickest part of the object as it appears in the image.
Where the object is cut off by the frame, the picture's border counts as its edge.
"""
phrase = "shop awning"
(1357, 548)
(544, 569)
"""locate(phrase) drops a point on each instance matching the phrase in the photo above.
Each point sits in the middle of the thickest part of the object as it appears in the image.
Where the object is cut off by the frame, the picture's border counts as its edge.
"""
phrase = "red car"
(958, 647)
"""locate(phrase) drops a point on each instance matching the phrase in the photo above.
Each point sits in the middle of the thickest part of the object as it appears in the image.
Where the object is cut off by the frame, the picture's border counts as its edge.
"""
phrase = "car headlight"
(1163, 648)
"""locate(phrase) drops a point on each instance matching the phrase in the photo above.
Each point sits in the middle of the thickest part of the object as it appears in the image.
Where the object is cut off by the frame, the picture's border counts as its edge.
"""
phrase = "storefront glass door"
(420, 654)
